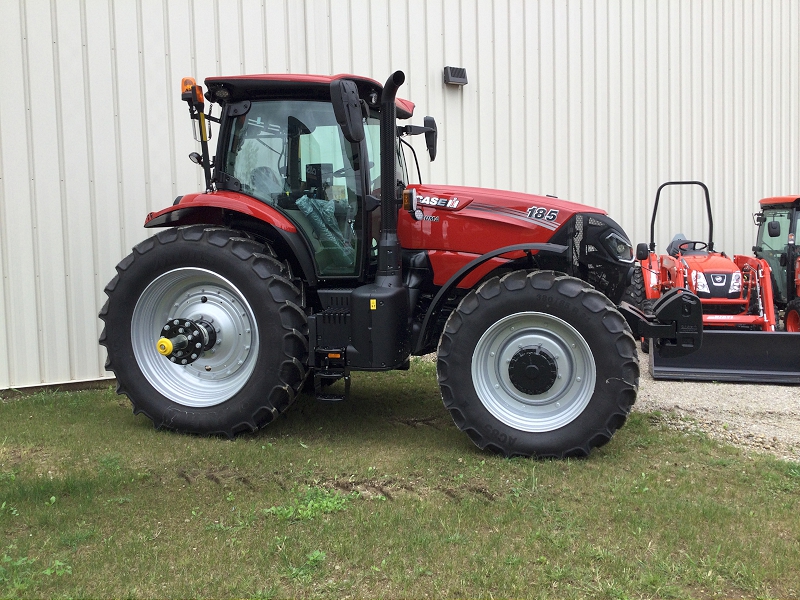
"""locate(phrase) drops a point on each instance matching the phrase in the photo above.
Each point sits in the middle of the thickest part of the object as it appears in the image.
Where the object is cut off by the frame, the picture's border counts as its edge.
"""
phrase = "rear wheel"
(791, 317)
(538, 365)
(227, 300)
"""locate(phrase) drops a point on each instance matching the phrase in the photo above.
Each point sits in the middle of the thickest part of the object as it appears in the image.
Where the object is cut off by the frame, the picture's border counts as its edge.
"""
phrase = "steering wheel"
(343, 172)
(696, 246)
(348, 171)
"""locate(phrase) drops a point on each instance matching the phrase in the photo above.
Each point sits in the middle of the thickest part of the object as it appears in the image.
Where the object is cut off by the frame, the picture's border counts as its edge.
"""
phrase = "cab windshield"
(293, 156)
(771, 248)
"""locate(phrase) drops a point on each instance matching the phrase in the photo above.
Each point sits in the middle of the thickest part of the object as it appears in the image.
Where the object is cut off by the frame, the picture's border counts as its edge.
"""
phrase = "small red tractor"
(738, 295)
(775, 243)
(310, 255)
(735, 292)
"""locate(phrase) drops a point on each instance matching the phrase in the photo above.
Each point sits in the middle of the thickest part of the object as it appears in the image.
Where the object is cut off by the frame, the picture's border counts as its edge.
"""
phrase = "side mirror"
(431, 136)
(642, 251)
(774, 229)
(347, 108)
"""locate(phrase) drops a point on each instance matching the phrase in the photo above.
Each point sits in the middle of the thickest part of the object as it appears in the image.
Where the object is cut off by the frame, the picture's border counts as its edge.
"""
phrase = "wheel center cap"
(533, 371)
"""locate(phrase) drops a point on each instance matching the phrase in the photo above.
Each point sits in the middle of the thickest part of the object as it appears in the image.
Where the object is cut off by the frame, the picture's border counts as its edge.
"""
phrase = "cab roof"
(297, 86)
(778, 200)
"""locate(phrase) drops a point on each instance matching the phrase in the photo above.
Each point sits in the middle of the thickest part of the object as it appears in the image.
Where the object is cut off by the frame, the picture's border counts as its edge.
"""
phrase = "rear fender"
(226, 208)
(192, 207)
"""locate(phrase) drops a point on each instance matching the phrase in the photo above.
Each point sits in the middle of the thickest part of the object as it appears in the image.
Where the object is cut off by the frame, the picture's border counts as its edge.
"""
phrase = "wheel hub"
(209, 303)
(533, 370)
(183, 341)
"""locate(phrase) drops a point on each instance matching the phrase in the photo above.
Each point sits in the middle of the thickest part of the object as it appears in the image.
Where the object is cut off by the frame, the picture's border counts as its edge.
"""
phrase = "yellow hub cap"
(164, 347)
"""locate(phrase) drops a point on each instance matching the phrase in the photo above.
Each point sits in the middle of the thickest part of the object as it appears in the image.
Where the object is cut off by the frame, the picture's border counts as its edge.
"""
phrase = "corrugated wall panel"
(596, 101)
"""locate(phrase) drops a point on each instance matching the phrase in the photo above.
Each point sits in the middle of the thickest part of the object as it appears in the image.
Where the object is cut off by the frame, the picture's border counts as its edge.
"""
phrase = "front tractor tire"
(791, 317)
(538, 364)
(248, 364)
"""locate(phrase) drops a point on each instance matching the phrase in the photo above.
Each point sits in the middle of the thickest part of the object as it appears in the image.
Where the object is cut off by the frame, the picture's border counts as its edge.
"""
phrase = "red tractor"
(310, 255)
(735, 292)
(777, 228)
(738, 295)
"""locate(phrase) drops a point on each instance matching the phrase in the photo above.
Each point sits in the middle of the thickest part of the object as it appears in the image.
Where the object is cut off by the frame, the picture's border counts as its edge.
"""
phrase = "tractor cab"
(775, 243)
(284, 145)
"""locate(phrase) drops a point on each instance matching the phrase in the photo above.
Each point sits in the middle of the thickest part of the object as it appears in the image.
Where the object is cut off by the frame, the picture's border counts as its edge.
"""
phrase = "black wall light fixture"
(455, 76)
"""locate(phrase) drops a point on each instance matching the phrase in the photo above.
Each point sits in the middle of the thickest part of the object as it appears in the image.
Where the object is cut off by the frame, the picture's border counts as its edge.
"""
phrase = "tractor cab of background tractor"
(775, 243)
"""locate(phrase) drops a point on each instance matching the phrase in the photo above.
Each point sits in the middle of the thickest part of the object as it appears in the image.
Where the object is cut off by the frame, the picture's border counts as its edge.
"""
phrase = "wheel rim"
(556, 359)
(792, 321)
(196, 294)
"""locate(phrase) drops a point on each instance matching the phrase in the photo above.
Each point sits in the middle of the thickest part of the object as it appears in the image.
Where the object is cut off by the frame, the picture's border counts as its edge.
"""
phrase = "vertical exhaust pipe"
(389, 258)
(381, 316)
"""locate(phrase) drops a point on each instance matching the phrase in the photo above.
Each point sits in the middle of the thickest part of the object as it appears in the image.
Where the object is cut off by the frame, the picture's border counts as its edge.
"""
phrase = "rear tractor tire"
(538, 364)
(236, 320)
(791, 318)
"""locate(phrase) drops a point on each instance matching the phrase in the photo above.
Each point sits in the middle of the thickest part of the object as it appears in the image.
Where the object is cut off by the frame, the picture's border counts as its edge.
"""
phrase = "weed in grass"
(110, 463)
(311, 504)
(58, 569)
(16, 574)
(313, 562)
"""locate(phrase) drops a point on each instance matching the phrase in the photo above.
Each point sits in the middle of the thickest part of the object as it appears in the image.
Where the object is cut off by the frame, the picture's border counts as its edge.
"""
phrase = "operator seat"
(673, 247)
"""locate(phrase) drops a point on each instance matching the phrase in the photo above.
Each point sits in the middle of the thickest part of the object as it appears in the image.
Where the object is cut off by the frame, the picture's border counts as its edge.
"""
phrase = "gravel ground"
(762, 418)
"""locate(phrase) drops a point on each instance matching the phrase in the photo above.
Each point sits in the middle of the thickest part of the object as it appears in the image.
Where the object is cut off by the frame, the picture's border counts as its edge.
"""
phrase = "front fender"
(210, 208)
(438, 301)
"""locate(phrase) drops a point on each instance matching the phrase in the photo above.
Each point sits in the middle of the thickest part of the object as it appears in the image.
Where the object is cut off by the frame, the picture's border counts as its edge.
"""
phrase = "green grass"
(379, 497)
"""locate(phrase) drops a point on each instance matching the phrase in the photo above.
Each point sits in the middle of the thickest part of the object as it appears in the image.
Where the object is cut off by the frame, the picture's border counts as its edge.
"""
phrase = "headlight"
(700, 283)
(619, 247)
(736, 283)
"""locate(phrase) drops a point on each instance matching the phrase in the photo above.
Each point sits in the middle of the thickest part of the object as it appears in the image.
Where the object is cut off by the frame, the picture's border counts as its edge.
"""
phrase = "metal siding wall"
(597, 101)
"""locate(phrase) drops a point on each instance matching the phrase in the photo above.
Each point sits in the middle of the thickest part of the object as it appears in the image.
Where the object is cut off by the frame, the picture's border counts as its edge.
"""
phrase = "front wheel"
(537, 364)
(791, 318)
(204, 331)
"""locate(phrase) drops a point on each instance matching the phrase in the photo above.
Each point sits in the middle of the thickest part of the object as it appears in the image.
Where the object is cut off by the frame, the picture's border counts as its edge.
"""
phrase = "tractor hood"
(461, 223)
(713, 275)
(477, 220)
(433, 196)
(710, 263)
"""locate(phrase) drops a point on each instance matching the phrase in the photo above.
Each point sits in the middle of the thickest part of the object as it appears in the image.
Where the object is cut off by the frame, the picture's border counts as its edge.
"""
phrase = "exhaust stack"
(389, 260)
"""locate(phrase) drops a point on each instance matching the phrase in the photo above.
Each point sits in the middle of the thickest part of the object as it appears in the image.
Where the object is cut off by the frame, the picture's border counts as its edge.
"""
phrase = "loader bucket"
(736, 356)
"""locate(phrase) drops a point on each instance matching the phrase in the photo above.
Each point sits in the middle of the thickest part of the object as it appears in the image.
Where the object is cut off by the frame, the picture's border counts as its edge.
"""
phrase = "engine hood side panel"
(476, 220)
